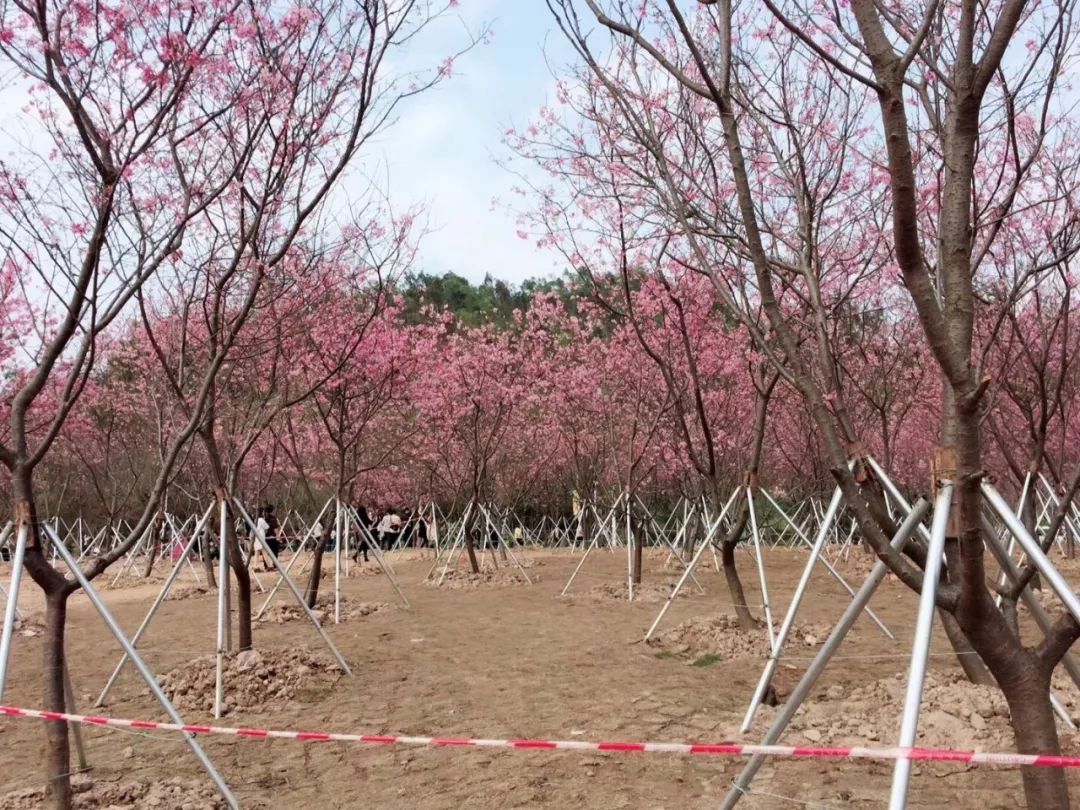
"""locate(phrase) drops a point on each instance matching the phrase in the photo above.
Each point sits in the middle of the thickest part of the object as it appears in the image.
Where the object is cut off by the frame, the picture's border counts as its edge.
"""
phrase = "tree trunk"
(470, 547)
(151, 558)
(638, 539)
(975, 670)
(1035, 732)
(731, 573)
(54, 586)
(243, 588)
(311, 593)
(56, 734)
(208, 564)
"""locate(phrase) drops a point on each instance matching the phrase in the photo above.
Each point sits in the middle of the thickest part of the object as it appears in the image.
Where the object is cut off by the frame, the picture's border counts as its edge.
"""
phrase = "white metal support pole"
(581, 562)
(269, 552)
(3, 539)
(348, 538)
(365, 538)
(1038, 613)
(761, 569)
(162, 595)
(513, 557)
(307, 536)
(1033, 550)
(21, 534)
(433, 530)
(629, 555)
(924, 625)
(223, 609)
(806, 684)
(338, 534)
(685, 574)
(459, 539)
(1057, 503)
(799, 533)
(145, 672)
(789, 617)
(1012, 540)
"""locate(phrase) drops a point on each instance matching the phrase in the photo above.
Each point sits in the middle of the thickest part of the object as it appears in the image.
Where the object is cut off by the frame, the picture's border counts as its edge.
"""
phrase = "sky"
(442, 151)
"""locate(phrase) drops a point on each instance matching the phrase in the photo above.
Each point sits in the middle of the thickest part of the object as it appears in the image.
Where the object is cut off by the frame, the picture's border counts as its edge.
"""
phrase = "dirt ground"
(511, 660)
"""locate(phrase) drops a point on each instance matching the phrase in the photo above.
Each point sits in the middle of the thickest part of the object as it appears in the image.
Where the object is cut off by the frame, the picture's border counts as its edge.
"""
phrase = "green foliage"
(471, 304)
(707, 660)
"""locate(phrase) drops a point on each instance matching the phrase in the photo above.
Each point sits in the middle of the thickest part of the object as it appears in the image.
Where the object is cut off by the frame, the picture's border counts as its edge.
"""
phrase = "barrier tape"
(699, 749)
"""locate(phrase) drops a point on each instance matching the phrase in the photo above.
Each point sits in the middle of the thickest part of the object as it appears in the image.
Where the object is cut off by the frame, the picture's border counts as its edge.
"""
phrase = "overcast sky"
(443, 149)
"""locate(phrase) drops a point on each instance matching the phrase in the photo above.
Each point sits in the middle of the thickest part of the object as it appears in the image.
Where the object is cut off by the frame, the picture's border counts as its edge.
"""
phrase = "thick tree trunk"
(58, 757)
(1023, 679)
(1025, 682)
(975, 670)
(1035, 732)
(54, 586)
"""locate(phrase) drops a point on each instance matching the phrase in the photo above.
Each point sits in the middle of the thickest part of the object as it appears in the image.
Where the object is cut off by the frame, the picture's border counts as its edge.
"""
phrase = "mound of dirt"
(192, 591)
(167, 794)
(955, 714)
(488, 577)
(722, 636)
(289, 611)
(646, 592)
(253, 679)
(362, 569)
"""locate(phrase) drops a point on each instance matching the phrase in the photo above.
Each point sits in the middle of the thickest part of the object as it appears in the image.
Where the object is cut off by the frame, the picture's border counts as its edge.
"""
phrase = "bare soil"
(476, 660)
(92, 795)
(282, 611)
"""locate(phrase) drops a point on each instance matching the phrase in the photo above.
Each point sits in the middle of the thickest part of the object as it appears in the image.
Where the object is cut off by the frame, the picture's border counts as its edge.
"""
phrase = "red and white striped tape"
(701, 749)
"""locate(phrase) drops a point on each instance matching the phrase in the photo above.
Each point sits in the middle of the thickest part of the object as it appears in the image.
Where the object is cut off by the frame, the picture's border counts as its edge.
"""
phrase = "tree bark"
(208, 564)
(975, 670)
(637, 537)
(731, 573)
(58, 760)
(470, 545)
(151, 558)
(311, 593)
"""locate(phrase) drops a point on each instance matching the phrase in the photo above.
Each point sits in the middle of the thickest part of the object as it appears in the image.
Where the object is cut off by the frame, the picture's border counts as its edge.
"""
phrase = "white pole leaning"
(708, 543)
(144, 671)
(162, 595)
(806, 684)
(21, 535)
(297, 595)
(789, 617)
(761, 569)
(1033, 550)
(924, 625)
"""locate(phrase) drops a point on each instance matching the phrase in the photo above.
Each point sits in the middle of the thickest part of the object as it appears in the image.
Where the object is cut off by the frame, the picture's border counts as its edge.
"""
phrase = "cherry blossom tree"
(814, 157)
